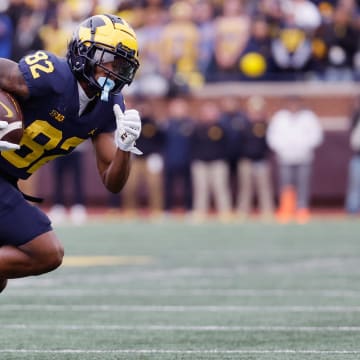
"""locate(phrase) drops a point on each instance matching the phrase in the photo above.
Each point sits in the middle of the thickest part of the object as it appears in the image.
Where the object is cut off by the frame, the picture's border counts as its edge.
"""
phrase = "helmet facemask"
(123, 66)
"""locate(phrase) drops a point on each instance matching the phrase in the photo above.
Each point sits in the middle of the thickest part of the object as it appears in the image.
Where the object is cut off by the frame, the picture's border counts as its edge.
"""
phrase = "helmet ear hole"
(79, 63)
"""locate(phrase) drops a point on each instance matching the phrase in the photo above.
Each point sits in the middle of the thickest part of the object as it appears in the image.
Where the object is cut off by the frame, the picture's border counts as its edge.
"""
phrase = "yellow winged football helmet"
(101, 39)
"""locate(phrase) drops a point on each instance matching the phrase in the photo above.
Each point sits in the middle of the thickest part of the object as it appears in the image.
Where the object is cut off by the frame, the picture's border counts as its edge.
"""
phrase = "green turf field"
(174, 290)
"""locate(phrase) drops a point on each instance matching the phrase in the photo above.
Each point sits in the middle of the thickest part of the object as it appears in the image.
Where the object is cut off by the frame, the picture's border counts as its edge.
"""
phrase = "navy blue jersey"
(52, 125)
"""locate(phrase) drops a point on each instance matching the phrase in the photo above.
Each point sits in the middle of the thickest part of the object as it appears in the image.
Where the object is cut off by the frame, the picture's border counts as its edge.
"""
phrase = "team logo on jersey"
(57, 116)
(92, 132)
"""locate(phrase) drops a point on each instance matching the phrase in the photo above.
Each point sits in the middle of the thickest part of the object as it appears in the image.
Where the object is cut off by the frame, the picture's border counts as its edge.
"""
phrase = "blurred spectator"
(254, 174)
(146, 170)
(27, 36)
(176, 153)
(6, 34)
(234, 121)
(55, 38)
(271, 10)
(150, 80)
(14, 10)
(291, 49)
(129, 10)
(256, 62)
(72, 166)
(204, 20)
(340, 37)
(66, 17)
(180, 44)
(352, 201)
(232, 31)
(319, 47)
(209, 169)
(305, 14)
(81, 9)
(294, 133)
(149, 3)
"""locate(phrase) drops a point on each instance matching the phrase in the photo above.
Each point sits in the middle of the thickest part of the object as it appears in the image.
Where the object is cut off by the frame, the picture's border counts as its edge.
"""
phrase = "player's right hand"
(6, 145)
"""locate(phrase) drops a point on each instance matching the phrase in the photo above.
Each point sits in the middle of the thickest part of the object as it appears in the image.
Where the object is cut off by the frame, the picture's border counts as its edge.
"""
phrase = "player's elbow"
(114, 188)
(115, 183)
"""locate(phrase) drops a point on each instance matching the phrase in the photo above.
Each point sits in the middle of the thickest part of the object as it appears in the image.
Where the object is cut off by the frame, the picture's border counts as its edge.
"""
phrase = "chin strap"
(33, 199)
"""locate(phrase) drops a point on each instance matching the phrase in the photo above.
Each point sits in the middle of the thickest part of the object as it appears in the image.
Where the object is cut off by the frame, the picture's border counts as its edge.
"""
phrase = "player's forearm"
(117, 173)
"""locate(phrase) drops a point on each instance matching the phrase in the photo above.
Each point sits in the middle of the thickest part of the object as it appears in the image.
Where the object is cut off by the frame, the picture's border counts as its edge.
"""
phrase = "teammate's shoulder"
(44, 71)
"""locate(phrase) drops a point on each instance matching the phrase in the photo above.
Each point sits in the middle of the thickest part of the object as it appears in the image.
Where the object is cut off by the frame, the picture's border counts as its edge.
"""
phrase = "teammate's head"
(99, 41)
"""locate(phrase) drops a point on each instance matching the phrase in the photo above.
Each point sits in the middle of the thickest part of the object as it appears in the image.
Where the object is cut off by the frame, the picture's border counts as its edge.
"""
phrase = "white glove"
(6, 145)
(128, 129)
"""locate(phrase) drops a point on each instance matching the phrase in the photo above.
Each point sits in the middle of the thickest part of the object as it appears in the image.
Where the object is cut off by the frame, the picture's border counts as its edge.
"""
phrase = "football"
(10, 111)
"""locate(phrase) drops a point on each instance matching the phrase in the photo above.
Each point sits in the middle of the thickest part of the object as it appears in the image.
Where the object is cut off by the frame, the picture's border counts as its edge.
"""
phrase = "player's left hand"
(128, 129)
(6, 145)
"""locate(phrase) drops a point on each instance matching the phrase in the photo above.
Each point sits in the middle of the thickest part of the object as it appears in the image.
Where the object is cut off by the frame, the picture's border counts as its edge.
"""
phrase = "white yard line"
(182, 292)
(183, 352)
(181, 328)
(179, 308)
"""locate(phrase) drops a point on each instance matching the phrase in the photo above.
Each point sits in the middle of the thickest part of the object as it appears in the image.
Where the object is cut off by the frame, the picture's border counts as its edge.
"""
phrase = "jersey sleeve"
(44, 72)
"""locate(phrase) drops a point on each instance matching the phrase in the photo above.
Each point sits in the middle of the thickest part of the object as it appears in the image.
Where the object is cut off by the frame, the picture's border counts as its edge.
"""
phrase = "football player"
(64, 102)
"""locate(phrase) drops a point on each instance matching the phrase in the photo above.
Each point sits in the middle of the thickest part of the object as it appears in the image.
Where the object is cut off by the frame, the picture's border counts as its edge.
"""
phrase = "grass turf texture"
(175, 290)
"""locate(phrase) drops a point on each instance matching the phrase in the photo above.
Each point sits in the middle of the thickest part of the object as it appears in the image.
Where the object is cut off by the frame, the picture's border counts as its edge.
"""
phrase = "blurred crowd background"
(192, 42)
(230, 154)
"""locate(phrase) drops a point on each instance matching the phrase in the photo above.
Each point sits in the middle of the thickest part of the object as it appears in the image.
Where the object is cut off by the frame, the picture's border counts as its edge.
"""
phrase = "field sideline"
(175, 290)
